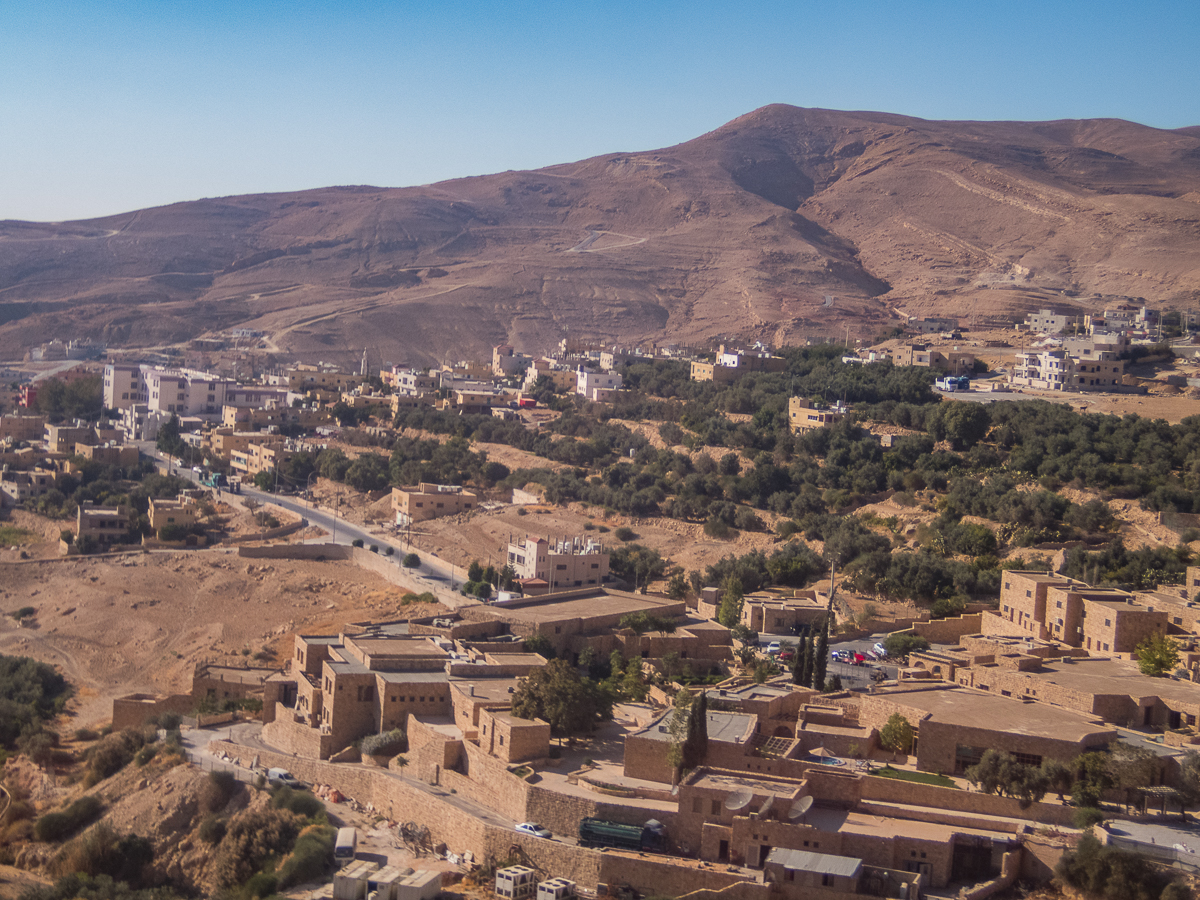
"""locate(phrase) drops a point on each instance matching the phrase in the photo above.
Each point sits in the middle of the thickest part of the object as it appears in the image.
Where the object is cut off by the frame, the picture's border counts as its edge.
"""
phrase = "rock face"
(740, 232)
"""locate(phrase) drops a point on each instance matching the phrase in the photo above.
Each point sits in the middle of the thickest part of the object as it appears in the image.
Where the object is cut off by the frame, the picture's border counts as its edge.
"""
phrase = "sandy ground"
(141, 623)
(485, 535)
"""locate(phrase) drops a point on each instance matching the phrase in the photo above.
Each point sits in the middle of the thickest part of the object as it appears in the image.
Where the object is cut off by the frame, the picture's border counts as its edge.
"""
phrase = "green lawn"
(919, 777)
(11, 535)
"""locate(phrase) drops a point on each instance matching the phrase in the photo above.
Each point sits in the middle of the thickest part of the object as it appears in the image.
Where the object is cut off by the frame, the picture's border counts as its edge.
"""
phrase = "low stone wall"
(893, 790)
(268, 535)
(136, 709)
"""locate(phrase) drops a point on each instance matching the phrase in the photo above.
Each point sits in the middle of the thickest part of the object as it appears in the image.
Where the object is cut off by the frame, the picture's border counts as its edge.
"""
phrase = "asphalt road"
(433, 574)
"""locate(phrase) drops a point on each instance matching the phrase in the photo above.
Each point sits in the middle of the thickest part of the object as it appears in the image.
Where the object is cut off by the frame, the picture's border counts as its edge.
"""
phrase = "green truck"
(651, 836)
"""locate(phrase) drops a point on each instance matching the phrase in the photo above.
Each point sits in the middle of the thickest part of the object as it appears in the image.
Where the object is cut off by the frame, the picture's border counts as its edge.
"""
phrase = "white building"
(597, 386)
(1046, 322)
(122, 386)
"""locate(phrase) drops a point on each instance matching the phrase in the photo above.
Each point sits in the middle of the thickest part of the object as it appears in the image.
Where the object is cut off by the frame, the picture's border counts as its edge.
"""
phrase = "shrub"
(390, 551)
(374, 548)
(86, 734)
(146, 754)
(217, 791)
(357, 542)
(389, 743)
(302, 803)
(410, 561)
(625, 533)
(716, 528)
(212, 830)
(170, 721)
(1087, 816)
(311, 858)
(58, 826)
(112, 754)
(23, 613)
(251, 837)
(901, 644)
(522, 511)
(260, 884)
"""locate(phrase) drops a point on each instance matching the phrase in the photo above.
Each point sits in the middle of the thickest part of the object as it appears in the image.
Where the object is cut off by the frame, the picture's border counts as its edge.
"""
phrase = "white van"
(283, 778)
(347, 844)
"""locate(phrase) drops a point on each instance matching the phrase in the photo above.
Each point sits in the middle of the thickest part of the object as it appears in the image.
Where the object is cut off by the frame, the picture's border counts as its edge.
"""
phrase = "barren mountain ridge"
(740, 233)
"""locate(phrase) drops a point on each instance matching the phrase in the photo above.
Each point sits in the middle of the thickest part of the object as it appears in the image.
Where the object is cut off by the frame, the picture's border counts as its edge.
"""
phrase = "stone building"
(1045, 606)
(802, 416)
(430, 501)
(562, 565)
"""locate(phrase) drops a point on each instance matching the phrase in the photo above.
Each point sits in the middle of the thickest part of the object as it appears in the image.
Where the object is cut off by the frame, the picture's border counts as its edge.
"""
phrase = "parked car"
(773, 648)
(535, 829)
(284, 778)
(881, 650)
(787, 655)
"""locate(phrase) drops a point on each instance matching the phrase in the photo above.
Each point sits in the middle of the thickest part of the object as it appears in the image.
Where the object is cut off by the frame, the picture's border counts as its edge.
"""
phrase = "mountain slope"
(739, 232)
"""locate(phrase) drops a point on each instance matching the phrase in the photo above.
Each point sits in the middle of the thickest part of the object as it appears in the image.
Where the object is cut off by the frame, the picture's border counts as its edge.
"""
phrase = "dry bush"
(250, 838)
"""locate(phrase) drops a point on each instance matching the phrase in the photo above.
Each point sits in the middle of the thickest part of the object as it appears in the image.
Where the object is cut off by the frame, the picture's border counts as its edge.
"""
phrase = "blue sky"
(106, 107)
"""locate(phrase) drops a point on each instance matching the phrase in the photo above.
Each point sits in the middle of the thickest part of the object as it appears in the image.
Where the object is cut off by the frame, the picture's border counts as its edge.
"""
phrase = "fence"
(1169, 856)
(209, 764)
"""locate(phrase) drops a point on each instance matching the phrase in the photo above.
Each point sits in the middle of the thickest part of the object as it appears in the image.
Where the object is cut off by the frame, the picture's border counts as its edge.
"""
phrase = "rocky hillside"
(742, 231)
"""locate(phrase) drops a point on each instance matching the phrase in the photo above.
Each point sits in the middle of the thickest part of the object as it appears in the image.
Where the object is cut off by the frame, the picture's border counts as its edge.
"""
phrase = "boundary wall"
(461, 829)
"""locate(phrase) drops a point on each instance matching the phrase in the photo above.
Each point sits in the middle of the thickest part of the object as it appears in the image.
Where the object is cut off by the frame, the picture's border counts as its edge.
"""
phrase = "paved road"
(434, 574)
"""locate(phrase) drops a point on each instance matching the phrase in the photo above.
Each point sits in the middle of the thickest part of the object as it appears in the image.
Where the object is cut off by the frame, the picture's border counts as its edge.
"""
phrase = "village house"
(430, 501)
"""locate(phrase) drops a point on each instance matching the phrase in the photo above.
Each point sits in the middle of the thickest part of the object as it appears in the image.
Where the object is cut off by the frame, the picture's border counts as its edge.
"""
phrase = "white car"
(773, 648)
(535, 829)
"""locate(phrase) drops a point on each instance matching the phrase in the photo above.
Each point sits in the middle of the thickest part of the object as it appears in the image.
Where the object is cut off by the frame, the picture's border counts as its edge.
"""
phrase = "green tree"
(820, 663)
(1157, 655)
(558, 695)
(729, 613)
(899, 645)
(410, 561)
(677, 587)
(168, 440)
(1092, 778)
(896, 734)
(641, 622)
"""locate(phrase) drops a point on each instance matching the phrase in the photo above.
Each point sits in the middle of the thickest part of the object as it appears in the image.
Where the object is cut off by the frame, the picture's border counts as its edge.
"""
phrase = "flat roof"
(1111, 676)
(821, 863)
(485, 689)
(400, 645)
(953, 705)
(727, 727)
(599, 603)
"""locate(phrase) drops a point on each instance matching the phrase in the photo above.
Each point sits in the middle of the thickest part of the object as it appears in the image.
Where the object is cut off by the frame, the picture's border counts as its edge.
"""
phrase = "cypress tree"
(821, 657)
(798, 663)
(806, 672)
(702, 727)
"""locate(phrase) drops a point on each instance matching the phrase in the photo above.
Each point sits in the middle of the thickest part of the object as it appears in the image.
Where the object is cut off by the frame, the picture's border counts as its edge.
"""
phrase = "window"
(826, 879)
(716, 807)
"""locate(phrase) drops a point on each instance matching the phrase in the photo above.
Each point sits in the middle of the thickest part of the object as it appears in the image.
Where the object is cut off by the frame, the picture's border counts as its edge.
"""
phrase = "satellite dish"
(766, 806)
(737, 801)
(799, 808)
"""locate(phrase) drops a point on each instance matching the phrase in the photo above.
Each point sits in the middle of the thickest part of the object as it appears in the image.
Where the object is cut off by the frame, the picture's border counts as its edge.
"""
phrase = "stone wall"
(893, 790)
(134, 710)
(949, 630)
(296, 738)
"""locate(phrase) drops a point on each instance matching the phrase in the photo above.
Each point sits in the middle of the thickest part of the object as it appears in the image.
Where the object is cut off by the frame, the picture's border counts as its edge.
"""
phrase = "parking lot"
(851, 675)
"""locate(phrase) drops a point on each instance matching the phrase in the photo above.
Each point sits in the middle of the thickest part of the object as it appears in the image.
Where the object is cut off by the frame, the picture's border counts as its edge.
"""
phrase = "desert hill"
(741, 231)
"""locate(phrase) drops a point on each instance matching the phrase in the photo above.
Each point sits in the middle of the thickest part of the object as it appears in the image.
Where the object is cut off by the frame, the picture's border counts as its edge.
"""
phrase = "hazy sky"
(106, 107)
